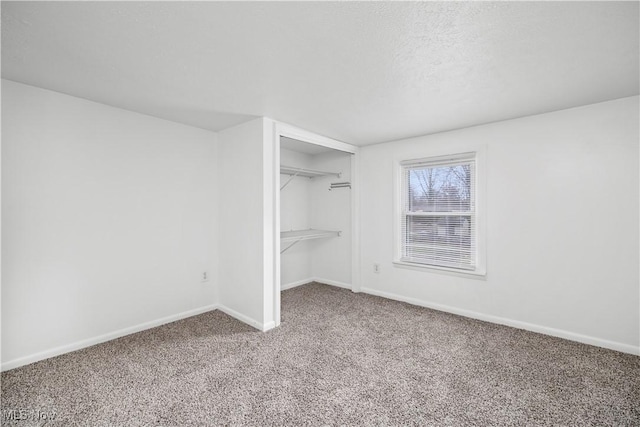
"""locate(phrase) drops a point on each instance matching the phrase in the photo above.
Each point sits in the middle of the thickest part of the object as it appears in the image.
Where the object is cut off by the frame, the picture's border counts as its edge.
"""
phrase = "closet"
(315, 215)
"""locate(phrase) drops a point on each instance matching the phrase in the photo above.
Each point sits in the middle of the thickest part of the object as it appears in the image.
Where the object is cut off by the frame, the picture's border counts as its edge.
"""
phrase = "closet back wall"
(108, 221)
(331, 210)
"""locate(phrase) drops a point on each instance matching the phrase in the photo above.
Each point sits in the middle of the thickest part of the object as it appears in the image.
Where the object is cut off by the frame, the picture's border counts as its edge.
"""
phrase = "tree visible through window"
(438, 212)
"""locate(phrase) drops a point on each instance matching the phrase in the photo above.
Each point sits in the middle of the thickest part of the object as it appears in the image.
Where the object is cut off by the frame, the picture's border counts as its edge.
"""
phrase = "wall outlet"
(376, 268)
(204, 277)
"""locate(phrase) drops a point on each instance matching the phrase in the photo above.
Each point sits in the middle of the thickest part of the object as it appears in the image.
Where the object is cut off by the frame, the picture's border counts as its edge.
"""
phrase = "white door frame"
(283, 129)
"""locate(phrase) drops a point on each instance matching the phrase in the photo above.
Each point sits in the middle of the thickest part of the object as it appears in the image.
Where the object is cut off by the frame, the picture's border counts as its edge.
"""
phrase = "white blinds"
(438, 219)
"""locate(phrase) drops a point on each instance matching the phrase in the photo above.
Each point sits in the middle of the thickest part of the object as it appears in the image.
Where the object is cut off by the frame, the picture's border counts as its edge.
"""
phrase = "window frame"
(478, 156)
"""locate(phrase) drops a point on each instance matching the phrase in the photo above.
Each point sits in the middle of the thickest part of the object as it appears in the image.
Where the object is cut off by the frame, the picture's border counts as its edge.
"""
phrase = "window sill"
(478, 275)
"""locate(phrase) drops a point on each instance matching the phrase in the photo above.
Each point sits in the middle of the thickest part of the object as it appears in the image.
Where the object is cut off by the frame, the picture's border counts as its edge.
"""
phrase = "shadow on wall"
(204, 119)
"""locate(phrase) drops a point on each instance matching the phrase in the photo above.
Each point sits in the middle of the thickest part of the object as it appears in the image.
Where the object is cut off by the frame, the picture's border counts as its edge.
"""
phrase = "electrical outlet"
(376, 268)
(204, 277)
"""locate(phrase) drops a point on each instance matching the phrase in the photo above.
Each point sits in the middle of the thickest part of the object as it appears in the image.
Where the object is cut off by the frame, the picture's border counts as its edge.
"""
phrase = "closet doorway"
(315, 213)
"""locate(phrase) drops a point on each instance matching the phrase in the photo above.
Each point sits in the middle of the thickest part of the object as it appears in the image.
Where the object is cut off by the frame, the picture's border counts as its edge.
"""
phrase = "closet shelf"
(295, 236)
(289, 236)
(307, 173)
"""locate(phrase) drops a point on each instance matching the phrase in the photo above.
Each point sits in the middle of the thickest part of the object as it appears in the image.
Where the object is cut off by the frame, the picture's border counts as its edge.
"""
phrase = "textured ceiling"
(361, 72)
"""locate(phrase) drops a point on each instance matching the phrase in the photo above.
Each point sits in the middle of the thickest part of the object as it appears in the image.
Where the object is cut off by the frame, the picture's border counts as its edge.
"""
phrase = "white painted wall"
(108, 218)
(331, 210)
(562, 224)
(295, 206)
(244, 217)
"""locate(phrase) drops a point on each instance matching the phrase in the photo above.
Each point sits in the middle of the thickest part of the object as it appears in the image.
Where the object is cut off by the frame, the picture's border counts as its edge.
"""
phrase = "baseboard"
(332, 283)
(296, 283)
(78, 345)
(585, 339)
(246, 319)
(268, 326)
(315, 279)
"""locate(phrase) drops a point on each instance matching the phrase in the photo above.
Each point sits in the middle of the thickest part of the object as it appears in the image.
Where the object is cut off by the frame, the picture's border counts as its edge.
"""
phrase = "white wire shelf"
(307, 173)
(289, 236)
(295, 236)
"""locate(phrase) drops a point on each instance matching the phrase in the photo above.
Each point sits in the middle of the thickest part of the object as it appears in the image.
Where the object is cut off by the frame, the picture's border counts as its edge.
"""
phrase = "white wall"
(331, 210)
(562, 224)
(295, 206)
(108, 218)
(244, 217)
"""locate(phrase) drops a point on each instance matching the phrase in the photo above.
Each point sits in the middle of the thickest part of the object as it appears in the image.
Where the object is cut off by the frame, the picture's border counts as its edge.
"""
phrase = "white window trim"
(480, 271)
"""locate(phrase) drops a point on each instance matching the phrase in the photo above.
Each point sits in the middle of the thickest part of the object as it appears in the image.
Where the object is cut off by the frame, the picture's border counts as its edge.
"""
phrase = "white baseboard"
(57, 351)
(296, 283)
(585, 339)
(268, 326)
(15, 363)
(246, 319)
(332, 283)
(315, 279)
(21, 361)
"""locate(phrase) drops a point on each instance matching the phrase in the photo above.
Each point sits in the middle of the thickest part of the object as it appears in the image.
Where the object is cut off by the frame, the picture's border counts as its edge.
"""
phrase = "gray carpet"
(338, 359)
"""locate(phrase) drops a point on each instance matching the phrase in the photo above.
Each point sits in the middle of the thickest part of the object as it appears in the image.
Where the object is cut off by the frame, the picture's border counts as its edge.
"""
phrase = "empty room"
(320, 213)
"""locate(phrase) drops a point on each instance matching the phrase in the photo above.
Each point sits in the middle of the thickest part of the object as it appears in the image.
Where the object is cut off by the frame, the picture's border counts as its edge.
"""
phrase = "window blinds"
(438, 220)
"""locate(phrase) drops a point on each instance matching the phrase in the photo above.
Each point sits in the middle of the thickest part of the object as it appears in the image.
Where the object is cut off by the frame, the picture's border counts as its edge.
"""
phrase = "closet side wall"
(294, 215)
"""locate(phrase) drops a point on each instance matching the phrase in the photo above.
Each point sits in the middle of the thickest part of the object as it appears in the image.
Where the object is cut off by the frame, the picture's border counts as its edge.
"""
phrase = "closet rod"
(339, 185)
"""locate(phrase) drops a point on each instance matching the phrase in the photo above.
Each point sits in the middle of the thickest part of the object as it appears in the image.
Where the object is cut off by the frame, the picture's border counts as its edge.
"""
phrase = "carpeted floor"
(337, 359)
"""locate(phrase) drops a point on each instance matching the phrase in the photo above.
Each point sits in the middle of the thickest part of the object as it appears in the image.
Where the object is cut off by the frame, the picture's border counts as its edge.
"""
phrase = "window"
(438, 224)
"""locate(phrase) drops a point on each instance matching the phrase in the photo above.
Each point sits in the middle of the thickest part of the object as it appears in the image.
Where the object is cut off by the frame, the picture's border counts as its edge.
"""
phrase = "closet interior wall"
(308, 203)
(295, 214)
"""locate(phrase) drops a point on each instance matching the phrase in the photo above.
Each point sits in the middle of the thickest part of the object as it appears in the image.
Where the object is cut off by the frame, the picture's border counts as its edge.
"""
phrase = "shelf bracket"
(292, 243)
(288, 181)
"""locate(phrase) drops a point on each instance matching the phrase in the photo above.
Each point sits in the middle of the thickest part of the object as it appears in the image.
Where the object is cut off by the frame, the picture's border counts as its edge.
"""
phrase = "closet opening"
(315, 215)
